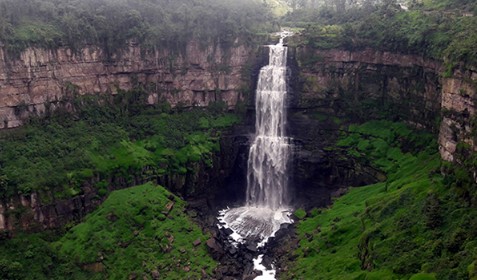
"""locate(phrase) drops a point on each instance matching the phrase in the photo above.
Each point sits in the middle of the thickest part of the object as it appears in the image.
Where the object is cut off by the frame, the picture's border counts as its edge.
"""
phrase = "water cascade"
(266, 205)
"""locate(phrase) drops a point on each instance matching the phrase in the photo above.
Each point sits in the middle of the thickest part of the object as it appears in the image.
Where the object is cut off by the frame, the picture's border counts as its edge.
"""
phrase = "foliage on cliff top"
(132, 232)
(415, 225)
(433, 29)
(112, 23)
(118, 138)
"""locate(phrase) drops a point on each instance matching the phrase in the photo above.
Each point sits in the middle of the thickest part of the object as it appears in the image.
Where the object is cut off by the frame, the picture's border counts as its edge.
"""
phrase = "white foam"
(253, 223)
(266, 274)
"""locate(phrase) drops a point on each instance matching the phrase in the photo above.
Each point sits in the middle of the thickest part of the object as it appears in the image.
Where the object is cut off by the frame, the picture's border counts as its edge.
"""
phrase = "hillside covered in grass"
(138, 232)
(417, 224)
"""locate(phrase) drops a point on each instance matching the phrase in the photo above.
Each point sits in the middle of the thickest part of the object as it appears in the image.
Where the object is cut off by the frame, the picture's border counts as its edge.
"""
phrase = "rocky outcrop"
(369, 83)
(459, 106)
(40, 80)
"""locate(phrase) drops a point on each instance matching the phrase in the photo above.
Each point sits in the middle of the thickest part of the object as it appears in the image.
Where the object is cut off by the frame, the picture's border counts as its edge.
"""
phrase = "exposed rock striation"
(366, 83)
(459, 106)
(369, 83)
(40, 80)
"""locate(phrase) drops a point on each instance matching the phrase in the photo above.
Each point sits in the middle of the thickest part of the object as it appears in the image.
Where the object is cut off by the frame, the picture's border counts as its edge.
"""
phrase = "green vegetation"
(110, 136)
(141, 230)
(435, 29)
(415, 225)
(112, 23)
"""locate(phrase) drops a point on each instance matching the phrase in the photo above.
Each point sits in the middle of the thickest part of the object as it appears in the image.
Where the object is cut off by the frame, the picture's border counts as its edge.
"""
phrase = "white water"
(266, 274)
(266, 198)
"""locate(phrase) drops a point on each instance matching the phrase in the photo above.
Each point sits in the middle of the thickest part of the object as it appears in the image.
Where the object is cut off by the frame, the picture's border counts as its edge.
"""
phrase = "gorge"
(342, 155)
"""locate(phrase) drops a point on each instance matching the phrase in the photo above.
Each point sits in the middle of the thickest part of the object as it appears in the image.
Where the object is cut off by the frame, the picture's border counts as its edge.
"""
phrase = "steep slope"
(138, 232)
(415, 225)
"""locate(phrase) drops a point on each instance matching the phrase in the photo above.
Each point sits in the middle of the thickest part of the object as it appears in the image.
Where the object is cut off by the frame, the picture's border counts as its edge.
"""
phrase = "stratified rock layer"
(40, 80)
(406, 87)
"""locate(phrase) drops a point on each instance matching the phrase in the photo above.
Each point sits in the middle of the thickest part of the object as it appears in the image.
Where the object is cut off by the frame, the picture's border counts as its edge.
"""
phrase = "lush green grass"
(412, 225)
(132, 232)
(121, 137)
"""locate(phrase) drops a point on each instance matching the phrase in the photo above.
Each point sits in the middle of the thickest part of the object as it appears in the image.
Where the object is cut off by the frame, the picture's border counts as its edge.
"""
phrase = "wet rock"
(285, 226)
(226, 231)
(267, 262)
(252, 276)
(248, 257)
(252, 247)
(232, 250)
(214, 246)
(249, 272)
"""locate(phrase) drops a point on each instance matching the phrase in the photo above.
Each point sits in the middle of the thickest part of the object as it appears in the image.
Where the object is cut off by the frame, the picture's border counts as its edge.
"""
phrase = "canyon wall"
(459, 119)
(369, 83)
(39, 80)
(358, 85)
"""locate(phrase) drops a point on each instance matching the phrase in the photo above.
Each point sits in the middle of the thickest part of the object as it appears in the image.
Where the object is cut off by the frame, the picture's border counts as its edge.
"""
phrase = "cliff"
(368, 83)
(459, 119)
(40, 80)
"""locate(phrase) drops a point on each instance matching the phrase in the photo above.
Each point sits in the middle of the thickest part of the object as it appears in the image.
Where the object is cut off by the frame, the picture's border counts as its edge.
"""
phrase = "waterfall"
(268, 156)
(266, 197)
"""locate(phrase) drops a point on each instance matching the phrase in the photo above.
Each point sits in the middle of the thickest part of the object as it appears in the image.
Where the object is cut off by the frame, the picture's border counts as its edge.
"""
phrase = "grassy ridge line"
(412, 226)
(141, 230)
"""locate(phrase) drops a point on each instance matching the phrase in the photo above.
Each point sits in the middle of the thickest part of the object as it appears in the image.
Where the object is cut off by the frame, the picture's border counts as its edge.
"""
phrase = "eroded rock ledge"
(39, 79)
(409, 88)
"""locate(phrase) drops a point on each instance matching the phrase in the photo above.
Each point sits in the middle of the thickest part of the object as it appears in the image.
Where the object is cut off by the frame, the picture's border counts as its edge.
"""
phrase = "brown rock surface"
(38, 79)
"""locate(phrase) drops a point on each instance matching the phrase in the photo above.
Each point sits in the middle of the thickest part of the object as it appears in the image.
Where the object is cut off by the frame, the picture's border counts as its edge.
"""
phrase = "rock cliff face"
(40, 80)
(459, 106)
(367, 83)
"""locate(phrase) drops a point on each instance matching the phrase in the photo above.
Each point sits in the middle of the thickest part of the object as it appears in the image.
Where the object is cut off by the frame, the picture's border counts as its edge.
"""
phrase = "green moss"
(423, 276)
(300, 213)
